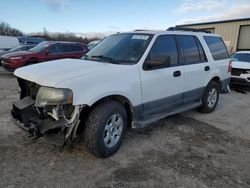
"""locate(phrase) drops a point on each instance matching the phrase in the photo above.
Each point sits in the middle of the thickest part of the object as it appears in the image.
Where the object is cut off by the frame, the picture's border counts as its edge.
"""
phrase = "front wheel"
(105, 128)
(210, 97)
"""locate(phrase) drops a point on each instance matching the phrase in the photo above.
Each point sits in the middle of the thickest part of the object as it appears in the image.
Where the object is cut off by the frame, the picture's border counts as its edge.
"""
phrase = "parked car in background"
(128, 80)
(15, 49)
(240, 68)
(8, 42)
(30, 40)
(45, 51)
(92, 44)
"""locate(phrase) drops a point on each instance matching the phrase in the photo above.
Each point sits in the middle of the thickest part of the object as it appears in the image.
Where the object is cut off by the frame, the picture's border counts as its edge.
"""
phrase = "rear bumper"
(28, 118)
(240, 81)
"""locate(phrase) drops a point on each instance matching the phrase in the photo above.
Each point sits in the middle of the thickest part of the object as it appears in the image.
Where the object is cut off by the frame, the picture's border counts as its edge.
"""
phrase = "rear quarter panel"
(219, 68)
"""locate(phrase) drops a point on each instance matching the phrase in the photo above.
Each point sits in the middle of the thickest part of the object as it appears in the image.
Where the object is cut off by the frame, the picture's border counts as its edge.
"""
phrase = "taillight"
(230, 66)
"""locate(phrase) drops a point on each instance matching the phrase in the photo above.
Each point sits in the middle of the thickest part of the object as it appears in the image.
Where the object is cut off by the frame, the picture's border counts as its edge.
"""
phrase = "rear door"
(163, 87)
(72, 51)
(197, 67)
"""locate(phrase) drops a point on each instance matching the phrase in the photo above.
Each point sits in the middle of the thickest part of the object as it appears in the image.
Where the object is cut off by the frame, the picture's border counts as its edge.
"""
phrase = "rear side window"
(216, 47)
(77, 48)
(192, 49)
(201, 51)
(164, 46)
(71, 48)
(56, 48)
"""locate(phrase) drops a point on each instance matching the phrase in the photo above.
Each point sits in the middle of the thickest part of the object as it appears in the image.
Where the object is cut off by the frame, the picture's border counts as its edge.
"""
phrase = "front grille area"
(238, 72)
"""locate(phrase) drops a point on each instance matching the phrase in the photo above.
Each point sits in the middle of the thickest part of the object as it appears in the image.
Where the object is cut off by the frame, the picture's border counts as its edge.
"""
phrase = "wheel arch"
(124, 101)
(217, 80)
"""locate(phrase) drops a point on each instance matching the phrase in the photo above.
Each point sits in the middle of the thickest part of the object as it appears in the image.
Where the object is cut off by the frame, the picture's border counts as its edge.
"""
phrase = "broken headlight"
(53, 96)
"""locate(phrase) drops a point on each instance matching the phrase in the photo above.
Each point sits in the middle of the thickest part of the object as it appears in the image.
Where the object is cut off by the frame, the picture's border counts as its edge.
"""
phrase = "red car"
(45, 51)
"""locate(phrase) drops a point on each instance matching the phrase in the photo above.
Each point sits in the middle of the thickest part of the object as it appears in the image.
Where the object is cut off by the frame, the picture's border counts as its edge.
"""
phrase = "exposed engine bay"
(37, 119)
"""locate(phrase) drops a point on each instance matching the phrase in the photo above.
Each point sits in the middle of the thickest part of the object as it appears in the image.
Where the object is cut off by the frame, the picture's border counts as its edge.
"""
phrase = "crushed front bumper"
(29, 118)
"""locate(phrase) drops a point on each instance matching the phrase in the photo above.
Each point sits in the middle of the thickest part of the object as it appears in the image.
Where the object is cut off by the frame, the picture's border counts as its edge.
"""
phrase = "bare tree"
(6, 29)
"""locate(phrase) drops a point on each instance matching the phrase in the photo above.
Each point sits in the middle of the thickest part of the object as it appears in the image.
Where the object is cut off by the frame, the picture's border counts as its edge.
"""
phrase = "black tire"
(206, 107)
(95, 128)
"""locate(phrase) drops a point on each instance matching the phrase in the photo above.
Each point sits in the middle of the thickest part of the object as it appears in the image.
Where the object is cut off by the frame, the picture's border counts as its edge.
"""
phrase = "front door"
(163, 87)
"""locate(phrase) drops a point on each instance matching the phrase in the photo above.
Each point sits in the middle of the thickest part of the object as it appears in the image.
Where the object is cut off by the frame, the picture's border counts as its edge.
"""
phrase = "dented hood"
(52, 73)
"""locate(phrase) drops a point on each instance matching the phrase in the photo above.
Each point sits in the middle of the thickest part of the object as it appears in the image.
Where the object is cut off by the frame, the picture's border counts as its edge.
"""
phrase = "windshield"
(241, 57)
(39, 48)
(15, 49)
(123, 48)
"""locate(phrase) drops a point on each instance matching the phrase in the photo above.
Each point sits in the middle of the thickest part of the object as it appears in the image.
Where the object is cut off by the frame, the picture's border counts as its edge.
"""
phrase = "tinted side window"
(56, 48)
(165, 46)
(77, 48)
(201, 51)
(67, 48)
(216, 47)
(71, 48)
(190, 49)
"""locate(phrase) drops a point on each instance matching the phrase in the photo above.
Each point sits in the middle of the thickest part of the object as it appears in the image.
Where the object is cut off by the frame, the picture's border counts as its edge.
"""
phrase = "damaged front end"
(44, 110)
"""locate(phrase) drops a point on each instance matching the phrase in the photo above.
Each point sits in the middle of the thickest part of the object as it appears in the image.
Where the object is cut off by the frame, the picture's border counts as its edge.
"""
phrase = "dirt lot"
(187, 150)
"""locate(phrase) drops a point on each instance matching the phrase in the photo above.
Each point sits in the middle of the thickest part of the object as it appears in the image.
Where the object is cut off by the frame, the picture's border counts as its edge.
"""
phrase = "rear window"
(192, 49)
(216, 47)
(241, 57)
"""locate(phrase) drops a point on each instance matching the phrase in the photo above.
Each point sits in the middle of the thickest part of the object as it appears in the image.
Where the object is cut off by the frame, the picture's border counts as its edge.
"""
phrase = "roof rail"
(187, 29)
(141, 30)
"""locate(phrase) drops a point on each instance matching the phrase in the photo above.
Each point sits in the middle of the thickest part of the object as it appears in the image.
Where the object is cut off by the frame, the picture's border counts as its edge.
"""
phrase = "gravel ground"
(186, 150)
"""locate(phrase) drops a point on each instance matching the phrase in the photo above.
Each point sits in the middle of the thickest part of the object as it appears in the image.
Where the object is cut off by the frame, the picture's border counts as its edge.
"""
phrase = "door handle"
(207, 68)
(177, 73)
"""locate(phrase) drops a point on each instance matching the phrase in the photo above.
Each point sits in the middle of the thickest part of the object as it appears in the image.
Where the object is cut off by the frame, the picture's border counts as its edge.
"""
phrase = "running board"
(147, 122)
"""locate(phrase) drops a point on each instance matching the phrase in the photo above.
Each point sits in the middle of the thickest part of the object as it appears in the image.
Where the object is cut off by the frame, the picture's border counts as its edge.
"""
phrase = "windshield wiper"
(105, 58)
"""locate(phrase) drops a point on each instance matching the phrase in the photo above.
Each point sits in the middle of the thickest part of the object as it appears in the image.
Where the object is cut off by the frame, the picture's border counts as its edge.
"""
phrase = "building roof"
(217, 22)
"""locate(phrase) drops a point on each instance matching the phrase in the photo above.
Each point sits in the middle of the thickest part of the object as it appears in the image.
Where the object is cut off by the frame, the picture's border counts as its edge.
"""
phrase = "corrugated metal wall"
(229, 32)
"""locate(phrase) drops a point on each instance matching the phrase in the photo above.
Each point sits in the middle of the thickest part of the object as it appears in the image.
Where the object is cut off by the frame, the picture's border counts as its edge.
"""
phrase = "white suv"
(128, 80)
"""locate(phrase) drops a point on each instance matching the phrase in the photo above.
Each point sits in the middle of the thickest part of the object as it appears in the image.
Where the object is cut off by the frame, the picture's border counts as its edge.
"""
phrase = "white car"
(128, 80)
(92, 44)
(241, 68)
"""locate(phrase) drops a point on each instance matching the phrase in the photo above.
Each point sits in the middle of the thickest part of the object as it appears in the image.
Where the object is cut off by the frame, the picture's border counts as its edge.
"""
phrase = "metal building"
(235, 33)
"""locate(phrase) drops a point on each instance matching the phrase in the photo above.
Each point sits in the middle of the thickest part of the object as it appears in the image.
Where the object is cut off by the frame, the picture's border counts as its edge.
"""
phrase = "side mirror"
(158, 61)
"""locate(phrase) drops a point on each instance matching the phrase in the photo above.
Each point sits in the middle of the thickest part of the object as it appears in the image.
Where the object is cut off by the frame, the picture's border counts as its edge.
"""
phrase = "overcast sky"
(99, 16)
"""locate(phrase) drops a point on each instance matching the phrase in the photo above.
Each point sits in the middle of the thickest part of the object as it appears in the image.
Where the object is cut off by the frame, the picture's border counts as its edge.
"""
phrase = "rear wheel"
(210, 97)
(105, 128)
